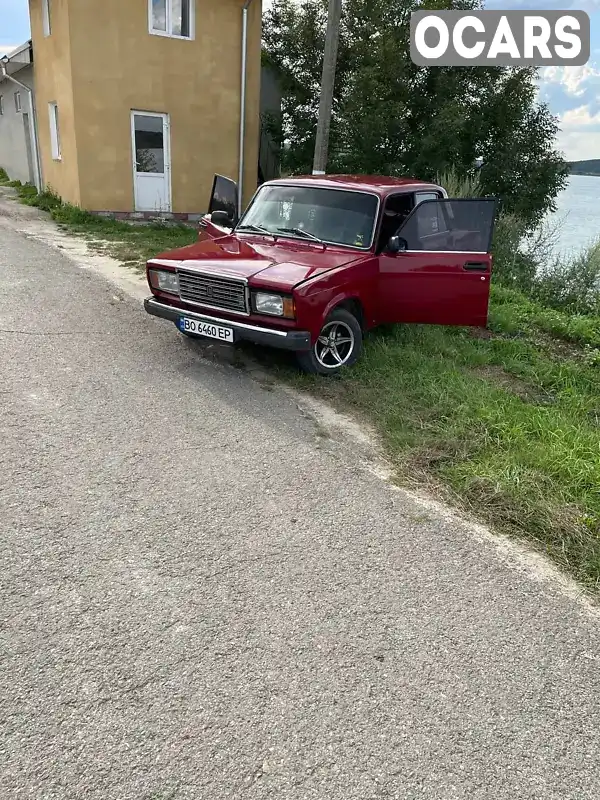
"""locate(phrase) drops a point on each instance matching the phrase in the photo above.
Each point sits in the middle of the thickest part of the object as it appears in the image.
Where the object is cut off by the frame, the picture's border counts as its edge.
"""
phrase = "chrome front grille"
(213, 291)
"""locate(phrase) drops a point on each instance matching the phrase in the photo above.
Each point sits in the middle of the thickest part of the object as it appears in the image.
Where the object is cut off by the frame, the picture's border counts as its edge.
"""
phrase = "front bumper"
(284, 340)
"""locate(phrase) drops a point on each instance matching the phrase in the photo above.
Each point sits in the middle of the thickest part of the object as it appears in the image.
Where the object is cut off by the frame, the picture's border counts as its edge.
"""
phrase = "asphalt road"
(203, 598)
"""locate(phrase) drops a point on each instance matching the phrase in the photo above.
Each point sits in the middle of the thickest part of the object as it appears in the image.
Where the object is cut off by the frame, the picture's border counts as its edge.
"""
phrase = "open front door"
(441, 271)
(223, 201)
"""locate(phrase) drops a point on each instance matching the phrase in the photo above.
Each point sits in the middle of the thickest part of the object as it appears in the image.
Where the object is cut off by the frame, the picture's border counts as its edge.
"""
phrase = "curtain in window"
(159, 15)
(181, 17)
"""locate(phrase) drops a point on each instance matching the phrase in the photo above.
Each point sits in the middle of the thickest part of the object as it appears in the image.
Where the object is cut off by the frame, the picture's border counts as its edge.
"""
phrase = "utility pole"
(327, 84)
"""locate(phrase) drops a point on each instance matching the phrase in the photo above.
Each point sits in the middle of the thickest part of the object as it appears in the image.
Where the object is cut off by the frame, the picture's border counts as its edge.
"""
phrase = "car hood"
(280, 265)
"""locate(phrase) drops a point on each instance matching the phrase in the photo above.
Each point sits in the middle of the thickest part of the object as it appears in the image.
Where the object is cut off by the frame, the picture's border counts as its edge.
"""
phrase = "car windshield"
(305, 212)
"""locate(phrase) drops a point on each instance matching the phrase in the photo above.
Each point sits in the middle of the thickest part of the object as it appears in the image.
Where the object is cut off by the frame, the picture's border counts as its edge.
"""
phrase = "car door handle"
(476, 266)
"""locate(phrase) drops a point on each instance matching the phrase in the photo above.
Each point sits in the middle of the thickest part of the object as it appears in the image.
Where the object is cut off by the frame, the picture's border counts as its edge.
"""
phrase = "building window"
(46, 17)
(54, 132)
(18, 102)
(172, 18)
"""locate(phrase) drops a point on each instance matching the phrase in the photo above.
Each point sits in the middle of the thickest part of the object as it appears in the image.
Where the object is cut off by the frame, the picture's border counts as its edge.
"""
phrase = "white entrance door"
(150, 134)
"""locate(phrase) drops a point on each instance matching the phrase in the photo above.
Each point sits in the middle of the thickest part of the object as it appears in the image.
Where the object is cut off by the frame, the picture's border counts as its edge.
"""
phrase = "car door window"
(420, 197)
(396, 210)
(450, 225)
(431, 221)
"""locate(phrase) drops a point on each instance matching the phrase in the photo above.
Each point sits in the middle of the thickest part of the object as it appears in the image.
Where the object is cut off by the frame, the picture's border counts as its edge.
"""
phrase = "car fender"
(318, 306)
(338, 299)
(332, 302)
(357, 282)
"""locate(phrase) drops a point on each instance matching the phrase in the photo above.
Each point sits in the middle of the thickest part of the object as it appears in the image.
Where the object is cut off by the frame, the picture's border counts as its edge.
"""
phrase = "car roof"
(377, 184)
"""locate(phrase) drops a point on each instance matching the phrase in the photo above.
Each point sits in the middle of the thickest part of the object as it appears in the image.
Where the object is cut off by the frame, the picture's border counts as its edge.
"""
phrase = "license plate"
(187, 325)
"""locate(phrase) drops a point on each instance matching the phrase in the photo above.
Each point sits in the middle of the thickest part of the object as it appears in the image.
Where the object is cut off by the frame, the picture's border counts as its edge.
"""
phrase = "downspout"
(33, 128)
(247, 5)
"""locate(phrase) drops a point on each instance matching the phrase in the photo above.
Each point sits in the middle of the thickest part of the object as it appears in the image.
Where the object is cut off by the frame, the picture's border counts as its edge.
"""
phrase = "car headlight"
(274, 304)
(269, 304)
(164, 281)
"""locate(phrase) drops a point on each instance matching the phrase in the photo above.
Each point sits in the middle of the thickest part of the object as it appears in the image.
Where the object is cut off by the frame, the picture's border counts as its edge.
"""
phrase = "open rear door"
(223, 200)
(442, 270)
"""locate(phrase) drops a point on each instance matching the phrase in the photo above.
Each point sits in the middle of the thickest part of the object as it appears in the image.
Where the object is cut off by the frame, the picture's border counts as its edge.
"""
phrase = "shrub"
(28, 194)
(46, 200)
(3, 175)
(73, 215)
(572, 284)
(514, 265)
(458, 185)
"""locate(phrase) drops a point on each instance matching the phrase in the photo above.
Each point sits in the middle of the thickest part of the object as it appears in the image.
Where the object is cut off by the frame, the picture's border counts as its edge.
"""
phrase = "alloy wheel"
(335, 345)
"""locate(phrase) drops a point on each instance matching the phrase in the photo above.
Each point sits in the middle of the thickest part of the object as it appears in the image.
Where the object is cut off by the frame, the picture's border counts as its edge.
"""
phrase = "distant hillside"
(591, 167)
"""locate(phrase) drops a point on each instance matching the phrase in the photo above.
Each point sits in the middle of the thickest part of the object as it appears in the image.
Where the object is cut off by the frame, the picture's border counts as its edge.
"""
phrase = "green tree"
(393, 117)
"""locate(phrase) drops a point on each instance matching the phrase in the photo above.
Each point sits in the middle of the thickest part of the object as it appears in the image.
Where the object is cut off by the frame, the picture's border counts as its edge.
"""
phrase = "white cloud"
(573, 79)
(581, 117)
(5, 49)
(573, 94)
(579, 136)
(579, 145)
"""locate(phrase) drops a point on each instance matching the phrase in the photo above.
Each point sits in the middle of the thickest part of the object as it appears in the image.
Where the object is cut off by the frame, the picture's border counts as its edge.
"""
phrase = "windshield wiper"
(301, 232)
(254, 229)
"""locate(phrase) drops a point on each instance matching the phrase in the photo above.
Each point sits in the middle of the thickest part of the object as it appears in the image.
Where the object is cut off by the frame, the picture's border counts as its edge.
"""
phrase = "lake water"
(578, 214)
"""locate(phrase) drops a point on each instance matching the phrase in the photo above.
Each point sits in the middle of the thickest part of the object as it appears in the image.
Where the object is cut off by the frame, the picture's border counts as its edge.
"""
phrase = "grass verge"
(505, 424)
(131, 244)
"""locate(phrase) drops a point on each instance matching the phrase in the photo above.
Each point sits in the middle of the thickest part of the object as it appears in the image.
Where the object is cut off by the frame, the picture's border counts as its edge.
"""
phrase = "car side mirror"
(397, 245)
(222, 219)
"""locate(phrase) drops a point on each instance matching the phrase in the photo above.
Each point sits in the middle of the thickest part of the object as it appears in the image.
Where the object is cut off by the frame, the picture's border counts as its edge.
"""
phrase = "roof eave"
(19, 58)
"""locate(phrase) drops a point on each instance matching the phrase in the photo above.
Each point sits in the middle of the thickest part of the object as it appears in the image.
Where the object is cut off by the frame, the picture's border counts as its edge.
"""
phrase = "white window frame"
(169, 21)
(46, 26)
(18, 104)
(54, 131)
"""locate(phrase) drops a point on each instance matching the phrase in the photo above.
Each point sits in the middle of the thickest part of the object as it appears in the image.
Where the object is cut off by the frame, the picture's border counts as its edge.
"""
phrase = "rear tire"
(338, 346)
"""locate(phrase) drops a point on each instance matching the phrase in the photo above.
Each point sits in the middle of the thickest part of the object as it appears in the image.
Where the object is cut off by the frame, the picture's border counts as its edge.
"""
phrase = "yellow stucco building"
(139, 102)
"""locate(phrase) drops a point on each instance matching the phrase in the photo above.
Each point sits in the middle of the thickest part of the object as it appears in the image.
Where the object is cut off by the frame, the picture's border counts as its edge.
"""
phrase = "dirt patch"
(510, 383)
(594, 416)
(482, 333)
(560, 349)
(10, 207)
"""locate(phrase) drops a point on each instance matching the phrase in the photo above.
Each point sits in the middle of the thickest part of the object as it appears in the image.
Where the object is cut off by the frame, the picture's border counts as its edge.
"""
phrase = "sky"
(573, 93)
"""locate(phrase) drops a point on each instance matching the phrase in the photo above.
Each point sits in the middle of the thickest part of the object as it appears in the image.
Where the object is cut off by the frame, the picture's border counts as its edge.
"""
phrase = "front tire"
(338, 346)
